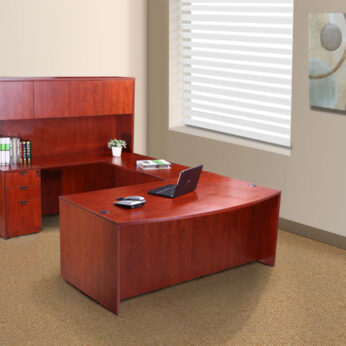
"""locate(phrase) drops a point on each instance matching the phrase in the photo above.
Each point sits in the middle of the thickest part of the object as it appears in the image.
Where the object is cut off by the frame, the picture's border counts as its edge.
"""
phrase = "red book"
(21, 151)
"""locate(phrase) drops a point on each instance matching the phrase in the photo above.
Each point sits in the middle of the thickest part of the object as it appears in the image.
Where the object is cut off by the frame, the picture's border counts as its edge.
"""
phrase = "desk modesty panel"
(111, 253)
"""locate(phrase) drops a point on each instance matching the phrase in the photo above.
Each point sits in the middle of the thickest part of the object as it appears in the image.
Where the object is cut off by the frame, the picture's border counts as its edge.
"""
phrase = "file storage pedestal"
(20, 197)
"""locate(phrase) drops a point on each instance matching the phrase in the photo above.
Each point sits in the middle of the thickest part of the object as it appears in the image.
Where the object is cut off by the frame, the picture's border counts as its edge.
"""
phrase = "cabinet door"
(51, 99)
(86, 98)
(118, 96)
(23, 217)
(16, 100)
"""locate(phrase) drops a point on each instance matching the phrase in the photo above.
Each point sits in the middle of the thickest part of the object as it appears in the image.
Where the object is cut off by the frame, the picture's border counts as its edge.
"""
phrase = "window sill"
(217, 136)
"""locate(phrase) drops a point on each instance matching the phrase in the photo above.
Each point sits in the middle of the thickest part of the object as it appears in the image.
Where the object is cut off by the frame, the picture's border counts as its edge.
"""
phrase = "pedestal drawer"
(21, 178)
(24, 217)
(23, 193)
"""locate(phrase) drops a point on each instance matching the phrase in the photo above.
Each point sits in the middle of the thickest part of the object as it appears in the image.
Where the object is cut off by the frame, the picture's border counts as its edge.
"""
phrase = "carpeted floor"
(301, 301)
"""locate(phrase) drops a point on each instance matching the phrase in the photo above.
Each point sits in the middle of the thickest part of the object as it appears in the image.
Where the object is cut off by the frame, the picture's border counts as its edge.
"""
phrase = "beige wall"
(77, 38)
(312, 176)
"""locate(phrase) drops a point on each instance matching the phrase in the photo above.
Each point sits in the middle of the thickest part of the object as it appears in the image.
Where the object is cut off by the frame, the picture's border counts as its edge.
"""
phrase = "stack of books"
(14, 150)
(153, 164)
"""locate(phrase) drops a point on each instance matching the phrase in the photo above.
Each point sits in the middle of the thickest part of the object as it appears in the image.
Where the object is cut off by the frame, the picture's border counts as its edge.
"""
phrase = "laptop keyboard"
(167, 190)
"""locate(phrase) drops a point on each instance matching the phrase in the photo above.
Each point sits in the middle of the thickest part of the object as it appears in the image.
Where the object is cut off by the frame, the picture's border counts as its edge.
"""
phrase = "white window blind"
(236, 64)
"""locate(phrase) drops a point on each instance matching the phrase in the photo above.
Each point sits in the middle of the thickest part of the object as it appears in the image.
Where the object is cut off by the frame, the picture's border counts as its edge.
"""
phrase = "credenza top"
(126, 161)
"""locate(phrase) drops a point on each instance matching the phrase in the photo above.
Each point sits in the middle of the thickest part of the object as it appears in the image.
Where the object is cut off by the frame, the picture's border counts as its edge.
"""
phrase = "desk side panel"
(3, 232)
(156, 255)
(89, 255)
(268, 223)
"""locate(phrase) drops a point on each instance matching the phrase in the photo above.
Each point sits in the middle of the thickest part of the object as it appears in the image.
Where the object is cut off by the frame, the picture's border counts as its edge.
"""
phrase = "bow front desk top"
(214, 194)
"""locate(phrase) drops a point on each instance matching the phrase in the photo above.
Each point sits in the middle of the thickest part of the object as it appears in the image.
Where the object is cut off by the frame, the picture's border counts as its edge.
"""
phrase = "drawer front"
(23, 193)
(23, 178)
(23, 217)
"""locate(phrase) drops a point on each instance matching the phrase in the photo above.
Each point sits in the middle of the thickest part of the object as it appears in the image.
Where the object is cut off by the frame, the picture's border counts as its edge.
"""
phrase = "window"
(236, 67)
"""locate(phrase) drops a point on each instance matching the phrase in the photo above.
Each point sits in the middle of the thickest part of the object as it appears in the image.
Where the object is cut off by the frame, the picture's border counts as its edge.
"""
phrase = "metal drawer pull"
(23, 173)
(23, 188)
(24, 202)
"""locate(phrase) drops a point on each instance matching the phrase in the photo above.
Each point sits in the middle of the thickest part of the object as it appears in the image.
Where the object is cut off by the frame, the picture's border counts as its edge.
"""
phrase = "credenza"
(69, 121)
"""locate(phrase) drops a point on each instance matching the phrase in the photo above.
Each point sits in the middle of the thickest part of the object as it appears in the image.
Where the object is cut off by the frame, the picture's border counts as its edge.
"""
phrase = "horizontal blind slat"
(232, 101)
(242, 121)
(209, 105)
(278, 99)
(259, 50)
(240, 38)
(251, 2)
(260, 67)
(251, 86)
(261, 77)
(206, 108)
(235, 28)
(238, 8)
(274, 138)
(219, 50)
(281, 20)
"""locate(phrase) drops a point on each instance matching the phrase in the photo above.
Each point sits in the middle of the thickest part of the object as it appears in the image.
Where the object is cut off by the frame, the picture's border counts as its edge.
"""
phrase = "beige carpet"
(301, 301)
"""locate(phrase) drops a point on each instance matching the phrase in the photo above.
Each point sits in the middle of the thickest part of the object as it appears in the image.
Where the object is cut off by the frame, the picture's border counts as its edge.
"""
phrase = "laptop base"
(164, 191)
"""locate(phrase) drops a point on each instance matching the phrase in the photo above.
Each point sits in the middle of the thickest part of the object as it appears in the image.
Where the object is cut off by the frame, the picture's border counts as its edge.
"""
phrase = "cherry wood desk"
(111, 254)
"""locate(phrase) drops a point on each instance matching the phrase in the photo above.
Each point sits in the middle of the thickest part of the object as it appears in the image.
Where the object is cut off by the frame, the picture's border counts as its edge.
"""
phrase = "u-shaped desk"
(111, 253)
(107, 252)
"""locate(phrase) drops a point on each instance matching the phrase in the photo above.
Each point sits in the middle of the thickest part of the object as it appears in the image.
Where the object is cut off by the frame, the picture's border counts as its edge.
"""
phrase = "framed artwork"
(327, 65)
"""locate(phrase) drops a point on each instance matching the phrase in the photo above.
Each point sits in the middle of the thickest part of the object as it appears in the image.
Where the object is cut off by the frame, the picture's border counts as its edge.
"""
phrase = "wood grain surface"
(16, 100)
(162, 251)
(51, 99)
(65, 121)
(86, 98)
(24, 217)
(23, 177)
(3, 215)
(23, 193)
(67, 114)
(94, 270)
(214, 193)
(118, 96)
(160, 254)
(64, 135)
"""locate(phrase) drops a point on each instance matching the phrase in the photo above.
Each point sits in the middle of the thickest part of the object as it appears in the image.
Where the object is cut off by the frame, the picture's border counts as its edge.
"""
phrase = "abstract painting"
(327, 65)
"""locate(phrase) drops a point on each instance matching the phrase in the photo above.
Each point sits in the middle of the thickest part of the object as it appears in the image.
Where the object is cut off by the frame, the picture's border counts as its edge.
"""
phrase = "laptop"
(187, 182)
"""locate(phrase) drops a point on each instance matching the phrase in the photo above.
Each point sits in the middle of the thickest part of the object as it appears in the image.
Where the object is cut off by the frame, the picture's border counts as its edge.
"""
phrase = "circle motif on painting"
(331, 37)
